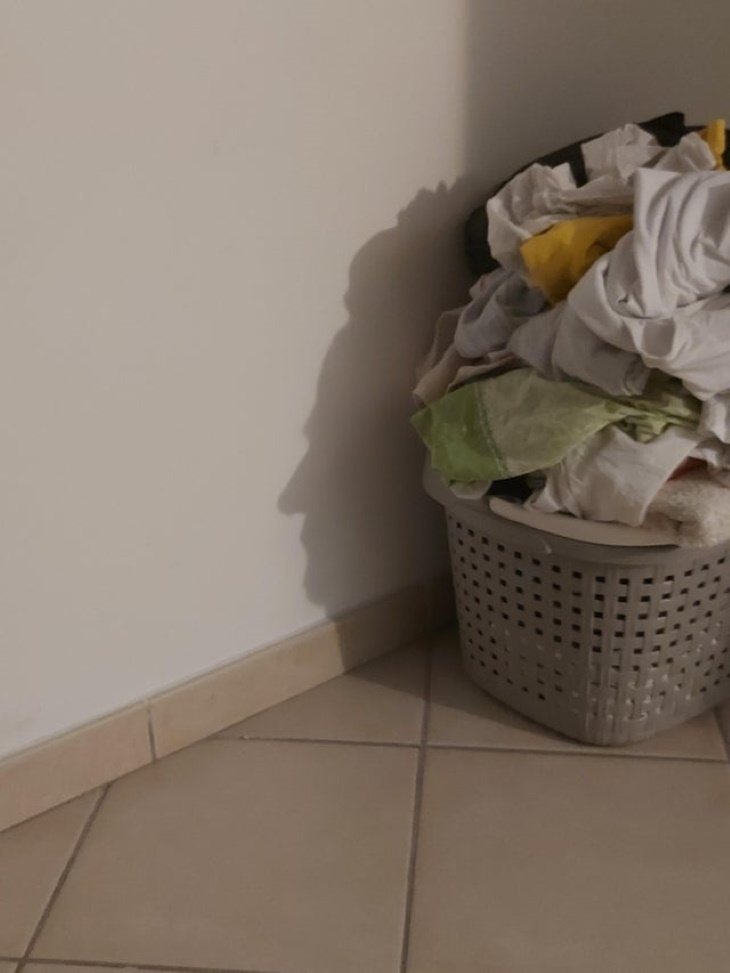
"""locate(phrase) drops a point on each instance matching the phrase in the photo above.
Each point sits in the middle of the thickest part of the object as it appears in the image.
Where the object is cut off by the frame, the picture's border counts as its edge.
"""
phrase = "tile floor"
(393, 819)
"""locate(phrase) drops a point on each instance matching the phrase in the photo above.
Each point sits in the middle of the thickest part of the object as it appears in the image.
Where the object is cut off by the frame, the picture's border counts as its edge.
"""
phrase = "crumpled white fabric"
(619, 152)
(521, 209)
(657, 293)
(654, 302)
(540, 196)
(680, 249)
(612, 477)
(690, 154)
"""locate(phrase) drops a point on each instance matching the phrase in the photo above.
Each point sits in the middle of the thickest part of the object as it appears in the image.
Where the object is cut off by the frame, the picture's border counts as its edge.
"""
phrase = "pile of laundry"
(593, 364)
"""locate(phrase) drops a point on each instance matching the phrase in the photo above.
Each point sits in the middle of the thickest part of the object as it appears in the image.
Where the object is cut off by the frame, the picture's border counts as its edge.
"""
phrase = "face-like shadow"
(368, 528)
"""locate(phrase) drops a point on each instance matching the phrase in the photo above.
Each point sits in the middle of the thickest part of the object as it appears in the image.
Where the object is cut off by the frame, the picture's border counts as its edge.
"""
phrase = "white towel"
(693, 510)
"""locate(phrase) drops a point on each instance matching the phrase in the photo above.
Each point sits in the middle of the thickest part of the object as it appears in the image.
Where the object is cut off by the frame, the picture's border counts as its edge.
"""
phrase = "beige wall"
(216, 281)
(226, 228)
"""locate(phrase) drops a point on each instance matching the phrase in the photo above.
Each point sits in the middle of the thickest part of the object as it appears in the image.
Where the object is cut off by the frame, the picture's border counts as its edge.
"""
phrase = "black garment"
(666, 129)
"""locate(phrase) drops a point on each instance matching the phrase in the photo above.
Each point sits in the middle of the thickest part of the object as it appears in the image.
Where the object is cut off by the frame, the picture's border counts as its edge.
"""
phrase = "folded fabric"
(519, 422)
(612, 477)
(558, 258)
(693, 510)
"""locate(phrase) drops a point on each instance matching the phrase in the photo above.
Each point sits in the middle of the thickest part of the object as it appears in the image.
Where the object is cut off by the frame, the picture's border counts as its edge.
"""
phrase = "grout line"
(417, 806)
(62, 879)
(151, 733)
(337, 743)
(721, 728)
(107, 965)
(475, 748)
(599, 752)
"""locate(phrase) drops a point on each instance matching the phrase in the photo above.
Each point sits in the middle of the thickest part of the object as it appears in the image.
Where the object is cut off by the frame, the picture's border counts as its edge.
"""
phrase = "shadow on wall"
(368, 528)
(532, 85)
(535, 80)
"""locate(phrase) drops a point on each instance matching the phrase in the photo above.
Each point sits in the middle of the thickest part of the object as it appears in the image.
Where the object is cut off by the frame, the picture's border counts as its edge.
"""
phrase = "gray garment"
(560, 347)
(506, 313)
(444, 368)
(502, 302)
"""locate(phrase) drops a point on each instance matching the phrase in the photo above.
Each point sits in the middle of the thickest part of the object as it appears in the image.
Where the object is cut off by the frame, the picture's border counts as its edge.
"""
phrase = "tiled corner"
(382, 625)
(250, 685)
(548, 862)
(257, 855)
(440, 601)
(266, 678)
(46, 776)
(32, 857)
(462, 714)
(723, 716)
(381, 702)
(8, 967)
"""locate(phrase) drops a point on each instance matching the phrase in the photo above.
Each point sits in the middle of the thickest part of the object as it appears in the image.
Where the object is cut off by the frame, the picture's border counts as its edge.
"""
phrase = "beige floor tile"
(463, 715)
(8, 967)
(381, 701)
(68, 968)
(258, 855)
(545, 863)
(32, 857)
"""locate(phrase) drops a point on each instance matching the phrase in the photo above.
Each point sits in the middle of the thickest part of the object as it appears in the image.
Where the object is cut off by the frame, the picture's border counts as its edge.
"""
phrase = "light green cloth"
(519, 422)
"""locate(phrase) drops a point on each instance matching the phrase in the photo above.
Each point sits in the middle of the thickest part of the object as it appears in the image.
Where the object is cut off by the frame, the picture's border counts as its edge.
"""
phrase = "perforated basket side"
(604, 645)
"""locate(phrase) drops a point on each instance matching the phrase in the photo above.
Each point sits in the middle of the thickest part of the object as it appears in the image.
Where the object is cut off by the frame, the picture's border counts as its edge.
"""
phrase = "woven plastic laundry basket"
(607, 645)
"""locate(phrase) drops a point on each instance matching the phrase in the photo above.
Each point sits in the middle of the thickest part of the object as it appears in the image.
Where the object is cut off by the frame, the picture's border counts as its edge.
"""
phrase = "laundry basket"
(604, 644)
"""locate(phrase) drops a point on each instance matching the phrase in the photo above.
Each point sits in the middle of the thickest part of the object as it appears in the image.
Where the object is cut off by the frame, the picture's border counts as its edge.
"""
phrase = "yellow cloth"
(557, 259)
(714, 135)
